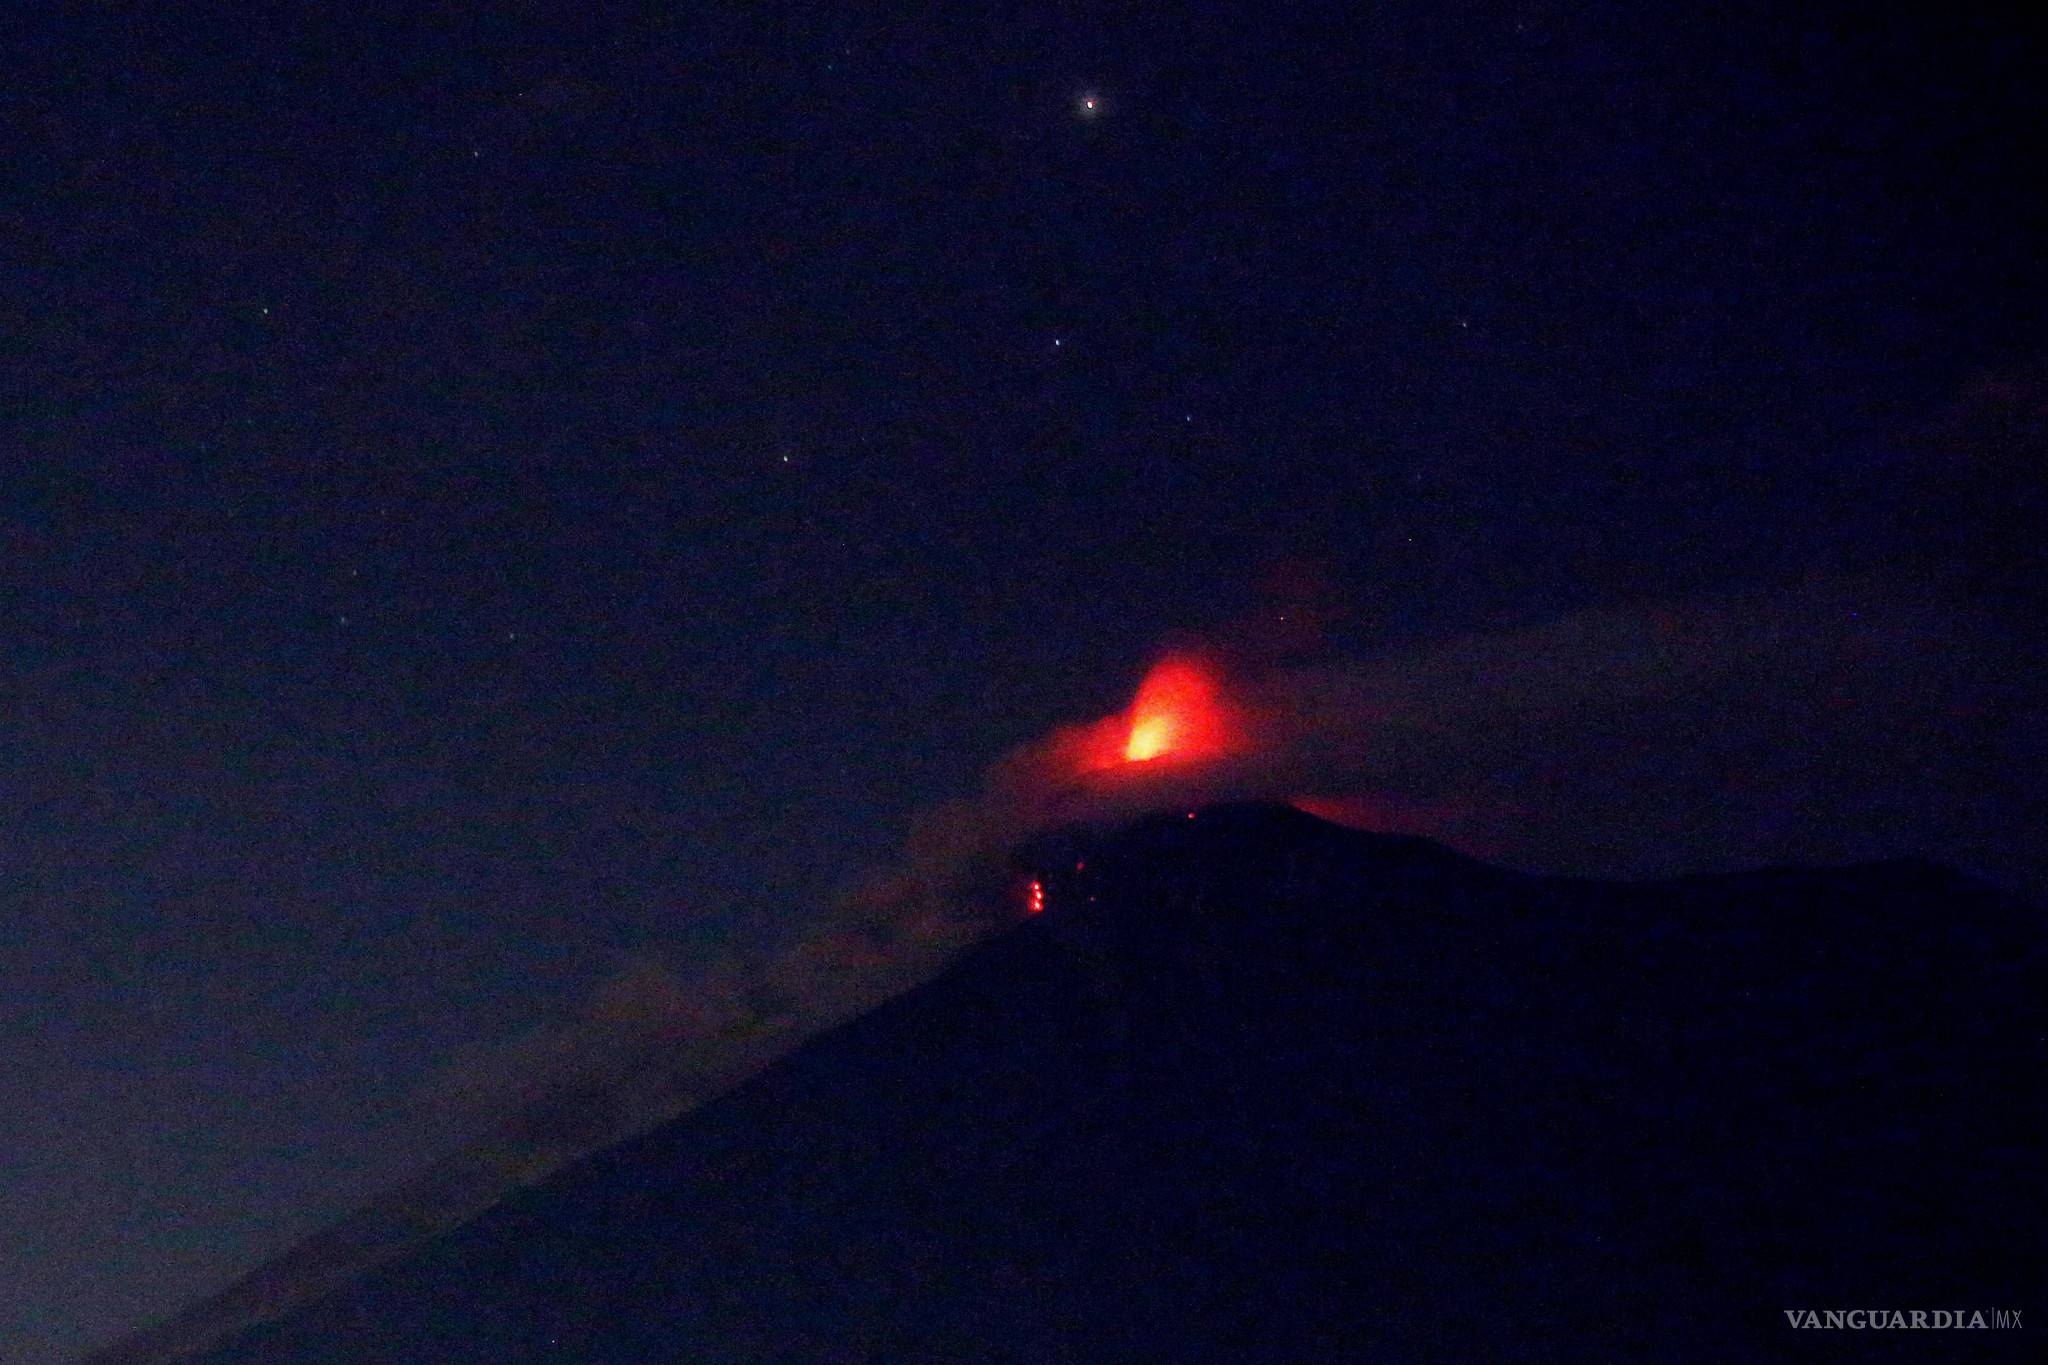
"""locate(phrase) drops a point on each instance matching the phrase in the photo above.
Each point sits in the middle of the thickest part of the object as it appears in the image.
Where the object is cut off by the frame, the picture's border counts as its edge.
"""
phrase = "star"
(1089, 104)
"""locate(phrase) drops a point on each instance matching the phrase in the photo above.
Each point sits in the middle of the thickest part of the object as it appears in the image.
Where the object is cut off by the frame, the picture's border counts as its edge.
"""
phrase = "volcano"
(1252, 1086)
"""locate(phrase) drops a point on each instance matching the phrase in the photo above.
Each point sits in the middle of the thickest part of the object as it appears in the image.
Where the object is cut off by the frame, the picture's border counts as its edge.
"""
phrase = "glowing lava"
(1150, 738)
(1177, 713)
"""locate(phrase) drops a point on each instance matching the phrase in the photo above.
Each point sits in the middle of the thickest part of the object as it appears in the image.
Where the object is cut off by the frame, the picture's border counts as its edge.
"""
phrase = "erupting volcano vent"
(1177, 714)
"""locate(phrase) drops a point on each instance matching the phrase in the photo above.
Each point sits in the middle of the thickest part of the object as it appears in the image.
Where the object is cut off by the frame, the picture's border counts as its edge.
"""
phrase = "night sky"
(486, 498)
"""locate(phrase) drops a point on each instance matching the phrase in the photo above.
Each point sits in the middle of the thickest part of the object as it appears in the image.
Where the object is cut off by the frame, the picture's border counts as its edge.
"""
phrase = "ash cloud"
(1829, 722)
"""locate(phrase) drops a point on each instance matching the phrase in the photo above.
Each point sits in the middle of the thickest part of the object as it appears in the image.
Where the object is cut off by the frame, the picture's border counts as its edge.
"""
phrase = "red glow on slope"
(1449, 820)
(1353, 812)
(1177, 713)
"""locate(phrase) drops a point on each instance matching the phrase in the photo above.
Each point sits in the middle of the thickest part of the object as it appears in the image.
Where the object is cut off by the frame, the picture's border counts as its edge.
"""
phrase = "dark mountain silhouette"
(1257, 1087)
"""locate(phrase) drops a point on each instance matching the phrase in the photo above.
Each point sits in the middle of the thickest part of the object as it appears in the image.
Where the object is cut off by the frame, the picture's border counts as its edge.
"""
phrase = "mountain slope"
(1257, 1087)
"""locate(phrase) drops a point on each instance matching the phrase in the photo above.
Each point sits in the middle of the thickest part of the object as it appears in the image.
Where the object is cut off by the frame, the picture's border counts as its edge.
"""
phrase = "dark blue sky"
(484, 496)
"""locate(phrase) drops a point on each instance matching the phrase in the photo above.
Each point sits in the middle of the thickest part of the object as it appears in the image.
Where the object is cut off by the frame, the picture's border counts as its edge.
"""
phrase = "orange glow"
(1177, 713)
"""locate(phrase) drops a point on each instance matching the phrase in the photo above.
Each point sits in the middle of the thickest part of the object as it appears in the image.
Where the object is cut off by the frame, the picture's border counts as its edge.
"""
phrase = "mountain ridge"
(1333, 1070)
